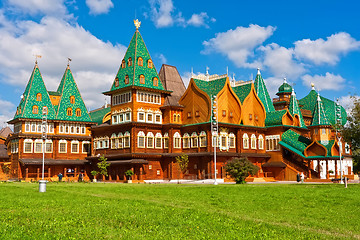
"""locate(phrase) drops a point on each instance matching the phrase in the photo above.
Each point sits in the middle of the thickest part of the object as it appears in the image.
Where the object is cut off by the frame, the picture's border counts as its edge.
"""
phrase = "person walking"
(302, 177)
(60, 176)
(298, 177)
(81, 177)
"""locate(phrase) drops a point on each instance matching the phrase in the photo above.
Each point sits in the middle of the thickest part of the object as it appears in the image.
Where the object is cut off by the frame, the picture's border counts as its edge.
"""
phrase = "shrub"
(129, 173)
(240, 168)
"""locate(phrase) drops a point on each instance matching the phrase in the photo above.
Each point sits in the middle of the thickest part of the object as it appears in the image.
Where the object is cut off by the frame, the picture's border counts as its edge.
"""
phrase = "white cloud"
(273, 84)
(327, 82)
(348, 102)
(186, 76)
(280, 61)
(94, 62)
(32, 7)
(6, 112)
(99, 6)
(162, 58)
(163, 14)
(239, 44)
(327, 51)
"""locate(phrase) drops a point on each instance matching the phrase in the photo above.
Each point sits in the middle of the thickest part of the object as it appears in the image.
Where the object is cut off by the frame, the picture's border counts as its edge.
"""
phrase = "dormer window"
(140, 61)
(35, 109)
(142, 79)
(72, 99)
(78, 112)
(250, 116)
(69, 112)
(123, 65)
(155, 81)
(129, 62)
(150, 64)
(116, 82)
(127, 79)
(38, 97)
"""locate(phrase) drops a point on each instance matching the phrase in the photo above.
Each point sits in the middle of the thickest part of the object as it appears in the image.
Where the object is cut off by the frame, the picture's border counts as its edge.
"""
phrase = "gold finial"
(36, 58)
(137, 24)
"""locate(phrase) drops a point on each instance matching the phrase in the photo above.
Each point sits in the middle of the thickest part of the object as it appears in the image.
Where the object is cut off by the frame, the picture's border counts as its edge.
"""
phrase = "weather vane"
(36, 58)
(137, 24)
(69, 60)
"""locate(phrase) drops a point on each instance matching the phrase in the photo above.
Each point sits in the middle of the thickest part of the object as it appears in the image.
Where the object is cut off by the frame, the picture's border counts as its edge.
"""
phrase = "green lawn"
(179, 211)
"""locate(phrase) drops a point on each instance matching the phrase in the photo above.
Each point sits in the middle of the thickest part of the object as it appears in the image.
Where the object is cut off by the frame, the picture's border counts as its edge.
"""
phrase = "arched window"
(141, 115)
(35, 109)
(245, 141)
(38, 148)
(74, 146)
(166, 140)
(28, 145)
(140, 61)
(116, 82)
(38, 97)
(174, 117)
(142, 79)
(45, 110)
(78, 112)
(113, 141)
(231, 140)
(194, 140)
(202, 139)
(141, 139)
(129, 61)
(120, 140)
(155, 81)
(186, 140)
(126, 140)
(177, 140)
(178, 117)
(69, 112)
(261, 142)
(150, 64)
(127, 79)
(72, 99)
(253, 141)
(123, 65)
(150, 140)
(158, 140)
(62, 146)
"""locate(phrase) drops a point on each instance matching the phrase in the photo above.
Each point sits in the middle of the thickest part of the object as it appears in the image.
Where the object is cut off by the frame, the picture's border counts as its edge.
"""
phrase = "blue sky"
(304, 41)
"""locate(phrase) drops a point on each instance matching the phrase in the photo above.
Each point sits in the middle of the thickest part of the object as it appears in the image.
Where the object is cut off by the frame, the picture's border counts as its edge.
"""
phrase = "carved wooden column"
(37, 173)
(27, 173)
(309, 169)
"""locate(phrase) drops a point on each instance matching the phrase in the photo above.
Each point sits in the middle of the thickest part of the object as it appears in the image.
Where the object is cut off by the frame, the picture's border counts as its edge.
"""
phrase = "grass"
(140, 211)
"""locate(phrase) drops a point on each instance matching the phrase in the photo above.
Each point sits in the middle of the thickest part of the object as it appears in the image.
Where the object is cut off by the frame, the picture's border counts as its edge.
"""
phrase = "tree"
(103, 166)
(351, 133)
(240, 168)
(183, 161)
(129, 174)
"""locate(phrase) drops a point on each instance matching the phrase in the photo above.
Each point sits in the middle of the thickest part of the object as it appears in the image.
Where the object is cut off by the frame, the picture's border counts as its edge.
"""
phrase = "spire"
(34, 98)
(71, 100)
(319, 115)
(294, 108)
(263, 93)
(137, 64)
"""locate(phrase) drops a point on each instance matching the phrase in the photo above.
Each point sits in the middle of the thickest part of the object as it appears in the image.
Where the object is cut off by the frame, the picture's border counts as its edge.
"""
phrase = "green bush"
(240, 168)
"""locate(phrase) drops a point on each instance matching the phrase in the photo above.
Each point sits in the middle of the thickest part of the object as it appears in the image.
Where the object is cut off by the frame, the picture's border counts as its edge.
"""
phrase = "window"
(347, 148)
(27, 127)
(253, 141)
(166, 140)
(51, 127)
(323, 131)
(140, 61)
(224, 113)
(126, 140)
(231, 140)
(194, 140)
(223, 140)
(150, 140)
(157, 118)
(62, 146)
(174, 117)
(231, 115)
(250, 116)
(146, 97)
(38, 97)
(186, 140)
(35, 109)
(142, 79)
(177, 140)
(316, 131)
(120, 140)
(272, 142)
(261, 142)
(28, 143)
(127, 116)
(69, 112)
(197, 114)
(127, 79)
(78, 112)
(158, 140)
(86, 147)
(155, 81)
(48, 146)
(38, 146)
(203, 139)
(150, 65)
(74, 147)
(129, 61)
(245, 141)
(124, 97)
(189, 115)
(141, 139)
(149, 117)
(141, 115)
(33, 127)
(113, 141)
(72, 99)
(178, 117)
(123, 65)
(116, 82)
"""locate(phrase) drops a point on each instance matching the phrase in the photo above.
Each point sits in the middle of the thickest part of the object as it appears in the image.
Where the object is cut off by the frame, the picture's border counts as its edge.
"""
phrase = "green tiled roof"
(66, 89)
(35, 85)
(263, 93)
(212, 87)
(274, 118)
(294, 109)
(319, 115)
(98, 114)
(309, 102)
(136, 49)
(284, 88)
(242, 91)
(294, 142)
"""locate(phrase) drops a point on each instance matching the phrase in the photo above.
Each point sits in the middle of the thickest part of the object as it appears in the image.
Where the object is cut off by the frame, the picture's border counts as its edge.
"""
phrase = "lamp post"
(42, 182)
(214, 130)
(338, 135)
